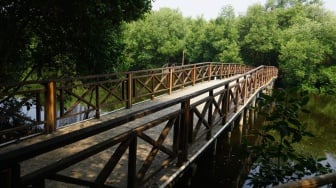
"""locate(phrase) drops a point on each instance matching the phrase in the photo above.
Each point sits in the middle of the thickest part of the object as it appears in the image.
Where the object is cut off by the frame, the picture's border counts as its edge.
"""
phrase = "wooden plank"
(68, 161)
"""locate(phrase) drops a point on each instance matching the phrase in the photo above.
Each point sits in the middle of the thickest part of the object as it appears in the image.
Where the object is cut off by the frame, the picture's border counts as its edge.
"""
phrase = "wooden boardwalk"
(157, 154)
(88, 168)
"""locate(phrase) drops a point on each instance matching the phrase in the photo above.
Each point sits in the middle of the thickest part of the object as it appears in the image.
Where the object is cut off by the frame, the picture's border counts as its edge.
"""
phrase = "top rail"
(44, 106)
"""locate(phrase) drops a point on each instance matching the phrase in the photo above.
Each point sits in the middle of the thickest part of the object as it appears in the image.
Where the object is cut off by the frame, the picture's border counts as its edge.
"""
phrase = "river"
(224, 169)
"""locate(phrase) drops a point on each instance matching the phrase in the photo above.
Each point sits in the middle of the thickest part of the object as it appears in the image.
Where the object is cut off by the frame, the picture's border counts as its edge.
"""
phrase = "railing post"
(61, 101)
(97, 102)
(183, 133)
(183, 77)
(229, 70)
(194, 75)
(221, 72)
(152, 85)
(237, 96)
(226, 104)
(211, 95)
(50, 107)
(129, 91)
(244, 89)
(10, 178)
(38, 107)
(210, 71)
(132, 150)
(171, 81)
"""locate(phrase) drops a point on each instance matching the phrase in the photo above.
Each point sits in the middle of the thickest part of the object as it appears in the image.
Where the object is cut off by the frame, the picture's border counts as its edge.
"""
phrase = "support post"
(132, 150)
(129, 91)
(38, 107)
(211, 95)
(10, 178)
(50, 107)
(226, 104)
(183, 133)
(97, 103)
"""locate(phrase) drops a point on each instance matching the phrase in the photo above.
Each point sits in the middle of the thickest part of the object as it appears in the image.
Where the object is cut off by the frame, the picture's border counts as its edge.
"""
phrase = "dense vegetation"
(296, 36)
(60, 38)
(43, 39)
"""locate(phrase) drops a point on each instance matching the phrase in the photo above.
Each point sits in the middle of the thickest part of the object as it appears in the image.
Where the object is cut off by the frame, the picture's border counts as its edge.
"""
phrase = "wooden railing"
(44, 106)
(180, 128)
(327, 180)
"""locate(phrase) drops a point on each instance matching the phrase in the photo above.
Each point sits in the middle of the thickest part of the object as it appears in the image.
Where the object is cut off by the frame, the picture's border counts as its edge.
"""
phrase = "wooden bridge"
(142, 128)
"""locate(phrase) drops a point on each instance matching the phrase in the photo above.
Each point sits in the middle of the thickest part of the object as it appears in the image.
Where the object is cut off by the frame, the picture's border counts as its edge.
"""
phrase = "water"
(224, 169)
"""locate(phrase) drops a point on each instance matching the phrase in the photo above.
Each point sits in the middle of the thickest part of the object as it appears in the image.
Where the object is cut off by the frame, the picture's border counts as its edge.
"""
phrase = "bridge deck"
(87, 169)
(137, 147)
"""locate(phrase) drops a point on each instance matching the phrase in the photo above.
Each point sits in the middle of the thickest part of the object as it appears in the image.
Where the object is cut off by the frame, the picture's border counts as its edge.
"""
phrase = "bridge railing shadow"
(186, 120)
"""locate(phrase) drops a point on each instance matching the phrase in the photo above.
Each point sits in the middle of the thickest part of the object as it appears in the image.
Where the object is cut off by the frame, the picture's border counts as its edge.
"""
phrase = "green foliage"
(155, 40)
(43, 39)
(276, 159)
(259, 34)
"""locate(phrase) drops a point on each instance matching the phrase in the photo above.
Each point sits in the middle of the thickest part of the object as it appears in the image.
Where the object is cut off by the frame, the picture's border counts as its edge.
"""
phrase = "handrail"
(231, 96)
(95, 94)
(316, 181)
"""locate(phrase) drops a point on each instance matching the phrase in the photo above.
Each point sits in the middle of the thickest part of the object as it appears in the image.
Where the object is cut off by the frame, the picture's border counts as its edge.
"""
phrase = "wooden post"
(176, 140)
(241, 125)
(236, 96)
(61, 101)
(183, 77)
(226, 104)
(50, 107)
(194, 75)
(210, 71)
(97, 102)
(129, 91)
(211, 95)
(183, 133)
(152, 86)
(132, 150)
(38, 107)
(171, 81)
(221, 71)
(245, 89)
(10, 178)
